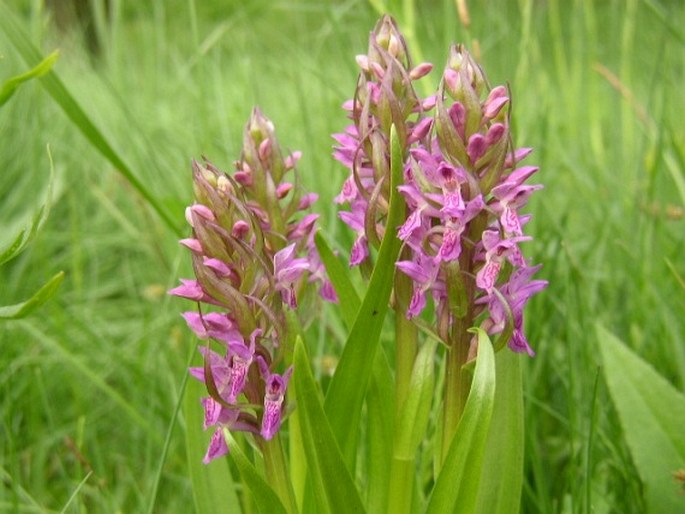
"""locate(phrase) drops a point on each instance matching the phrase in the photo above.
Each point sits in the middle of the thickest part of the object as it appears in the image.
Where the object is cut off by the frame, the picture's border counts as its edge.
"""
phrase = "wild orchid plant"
(435, 192)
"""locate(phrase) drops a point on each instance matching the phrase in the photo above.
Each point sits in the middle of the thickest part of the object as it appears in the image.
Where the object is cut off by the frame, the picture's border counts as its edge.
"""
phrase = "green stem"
(401, 486)
(405, 357)
(406, 348)
(457, 385)
(277, 473)
(457, 381)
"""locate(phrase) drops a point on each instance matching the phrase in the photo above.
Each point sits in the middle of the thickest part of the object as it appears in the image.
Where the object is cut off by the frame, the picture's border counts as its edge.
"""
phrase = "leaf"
(26, 235)
(212, 483)
(339, 275)
(346, 392)
(380, 409)
(10, 86)
(332, 484)
(652, 415)
(14, 248)
(416, 409)
(380, 399)
(456, 487)
(76, 114)
(21, 310)
(502, 476)
(264, 496)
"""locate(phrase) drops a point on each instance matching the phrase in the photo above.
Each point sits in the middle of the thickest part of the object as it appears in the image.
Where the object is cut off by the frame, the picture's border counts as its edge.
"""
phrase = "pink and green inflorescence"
(463, 185)
(254, 258)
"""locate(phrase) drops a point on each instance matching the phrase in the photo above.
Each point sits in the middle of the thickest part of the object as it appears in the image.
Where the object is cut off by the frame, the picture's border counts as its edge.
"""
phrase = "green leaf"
(14, 248)
(10, 85)
(652, 415)
(212, 484)
(23, 309)
(264, 496)
(380, 409)
(456, 488)
(331, 481)
(380, 399)
(26, 235)
(346, 392)
(416, 409)
(502, 477)
(61, 95)
(339, 274)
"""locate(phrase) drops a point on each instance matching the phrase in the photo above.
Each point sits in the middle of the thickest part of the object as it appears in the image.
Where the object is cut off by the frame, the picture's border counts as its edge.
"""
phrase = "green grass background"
(90, 382)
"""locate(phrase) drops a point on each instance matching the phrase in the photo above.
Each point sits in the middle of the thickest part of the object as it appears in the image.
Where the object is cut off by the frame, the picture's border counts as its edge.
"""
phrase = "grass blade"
(61, 95)
(23, 309)
(74, 494)
(78, 364)
(26, 235)
(10, 86)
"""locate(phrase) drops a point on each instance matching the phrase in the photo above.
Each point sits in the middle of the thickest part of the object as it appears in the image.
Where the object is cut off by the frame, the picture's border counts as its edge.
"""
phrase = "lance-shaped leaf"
(26, 235)
(265, 497)
(346, 392)
(456, 488)
(330, 479)
(9, 87)
(380, 398)
(339, 275)
(652, 415)
(502, 476)
(380, 411)
(23, 309)
(416, 409)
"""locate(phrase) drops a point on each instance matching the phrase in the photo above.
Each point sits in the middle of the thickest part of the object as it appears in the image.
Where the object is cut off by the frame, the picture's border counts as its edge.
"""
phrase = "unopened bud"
(240, 229)
(420, 130)
(307, 200)
(496, 100)
(199, 210)
(291, 160)
(224, 185)
(362, 62)
(420, 71)
(283, 189)
(265, 150)
(243, 178)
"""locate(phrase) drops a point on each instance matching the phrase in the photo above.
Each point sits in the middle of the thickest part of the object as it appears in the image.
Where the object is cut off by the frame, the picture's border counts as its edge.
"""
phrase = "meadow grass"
(90, 383)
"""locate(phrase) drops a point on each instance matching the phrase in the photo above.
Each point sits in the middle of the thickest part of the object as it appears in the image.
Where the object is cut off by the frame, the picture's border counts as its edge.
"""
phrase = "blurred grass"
(90, 383)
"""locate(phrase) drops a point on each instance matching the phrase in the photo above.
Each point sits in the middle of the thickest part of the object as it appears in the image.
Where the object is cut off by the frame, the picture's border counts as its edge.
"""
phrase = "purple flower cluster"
(253, 255)
(463, 187)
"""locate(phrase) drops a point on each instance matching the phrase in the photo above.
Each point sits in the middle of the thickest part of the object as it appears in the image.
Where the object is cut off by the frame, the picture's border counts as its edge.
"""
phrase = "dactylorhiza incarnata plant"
(464, 190)
(436, 192)
(253, 253)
